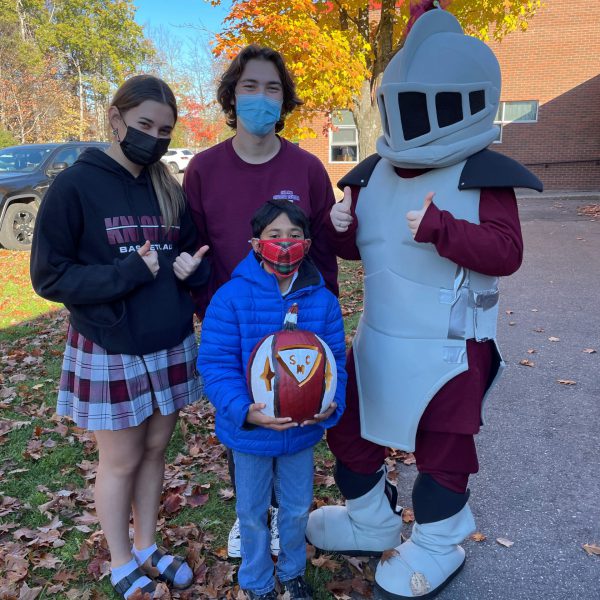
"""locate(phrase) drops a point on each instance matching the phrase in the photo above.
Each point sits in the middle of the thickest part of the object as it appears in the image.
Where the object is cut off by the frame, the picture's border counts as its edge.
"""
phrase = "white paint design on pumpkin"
(300, 362)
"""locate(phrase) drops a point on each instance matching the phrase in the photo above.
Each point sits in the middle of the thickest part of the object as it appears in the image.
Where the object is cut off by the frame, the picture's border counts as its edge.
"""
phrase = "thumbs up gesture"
(341, 212)
(414, 217)
(150, 257)
(185, 264)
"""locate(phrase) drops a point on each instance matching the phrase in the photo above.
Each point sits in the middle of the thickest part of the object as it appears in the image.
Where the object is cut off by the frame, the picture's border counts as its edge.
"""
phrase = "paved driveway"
(539, 480)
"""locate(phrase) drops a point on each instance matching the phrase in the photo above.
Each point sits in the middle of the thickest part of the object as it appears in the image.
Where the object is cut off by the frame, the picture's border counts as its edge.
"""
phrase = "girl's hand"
(185, 264)
(321, 416)
(150, 257)
(256, 417)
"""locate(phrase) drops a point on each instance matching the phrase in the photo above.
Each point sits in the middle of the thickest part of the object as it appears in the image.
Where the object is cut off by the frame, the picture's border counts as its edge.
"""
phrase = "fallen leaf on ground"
(139, 595)
(592, 549)
(553, 339)
(589, 351)
(531, 351)
(410, 459)
(27, 593)
(221, 552)
(526, 363)
(478, 537)
(340, 589)
(195, 499)
(504, 542)
(590, 210)
(226, 493)
(408, 516)
(325, 562)
(324, 480)
(388, 555)
(357, 562)
(566, 381)
(162, 592)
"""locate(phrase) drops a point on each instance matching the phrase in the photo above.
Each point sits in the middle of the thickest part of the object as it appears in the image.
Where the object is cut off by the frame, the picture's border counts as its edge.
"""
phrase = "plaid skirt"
(99, 390)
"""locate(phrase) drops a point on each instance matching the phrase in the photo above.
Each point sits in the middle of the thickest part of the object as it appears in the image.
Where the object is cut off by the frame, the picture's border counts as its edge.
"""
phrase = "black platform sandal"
(124, 584)
(168, 575)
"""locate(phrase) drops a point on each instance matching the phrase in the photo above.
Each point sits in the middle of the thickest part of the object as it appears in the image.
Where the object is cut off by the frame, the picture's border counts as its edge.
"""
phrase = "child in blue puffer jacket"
(274, 276)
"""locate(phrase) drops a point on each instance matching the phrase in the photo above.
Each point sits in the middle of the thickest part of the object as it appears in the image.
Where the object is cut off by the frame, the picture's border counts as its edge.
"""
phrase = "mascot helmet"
(441, 88)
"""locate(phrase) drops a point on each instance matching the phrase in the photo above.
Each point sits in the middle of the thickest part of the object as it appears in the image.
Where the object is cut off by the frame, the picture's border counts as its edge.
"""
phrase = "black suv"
(26, 173)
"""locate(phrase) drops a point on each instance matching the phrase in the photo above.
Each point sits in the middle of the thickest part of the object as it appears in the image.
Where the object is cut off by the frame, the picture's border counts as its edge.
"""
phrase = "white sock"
(184, 574)
(117, 574)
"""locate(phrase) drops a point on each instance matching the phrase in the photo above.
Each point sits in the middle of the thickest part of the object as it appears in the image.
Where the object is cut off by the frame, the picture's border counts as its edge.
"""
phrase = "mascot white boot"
(429, 560)
(368, 524)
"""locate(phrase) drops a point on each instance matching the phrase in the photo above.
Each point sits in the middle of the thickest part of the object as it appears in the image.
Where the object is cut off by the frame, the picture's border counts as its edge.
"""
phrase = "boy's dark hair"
(271, 209)
(229, 79)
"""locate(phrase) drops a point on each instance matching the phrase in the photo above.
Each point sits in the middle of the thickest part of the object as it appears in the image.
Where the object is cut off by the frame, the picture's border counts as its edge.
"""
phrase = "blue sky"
(173, 14)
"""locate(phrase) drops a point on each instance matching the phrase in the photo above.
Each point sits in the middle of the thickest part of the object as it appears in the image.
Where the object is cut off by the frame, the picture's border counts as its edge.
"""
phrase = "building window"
(343, 138)
(525, 111)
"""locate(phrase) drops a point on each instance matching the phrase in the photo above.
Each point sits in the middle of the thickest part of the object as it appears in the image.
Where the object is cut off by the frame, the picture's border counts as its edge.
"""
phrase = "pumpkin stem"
(291, 318)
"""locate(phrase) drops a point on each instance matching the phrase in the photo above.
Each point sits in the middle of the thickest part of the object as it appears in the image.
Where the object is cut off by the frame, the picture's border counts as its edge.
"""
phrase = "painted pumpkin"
(293, 372)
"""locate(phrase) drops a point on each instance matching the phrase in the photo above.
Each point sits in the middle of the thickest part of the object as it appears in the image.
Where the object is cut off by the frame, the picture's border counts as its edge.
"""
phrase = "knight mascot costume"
(434, 219)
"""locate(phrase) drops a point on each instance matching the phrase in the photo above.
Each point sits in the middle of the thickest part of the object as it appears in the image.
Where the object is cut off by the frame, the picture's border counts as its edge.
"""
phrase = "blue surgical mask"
(257, 113)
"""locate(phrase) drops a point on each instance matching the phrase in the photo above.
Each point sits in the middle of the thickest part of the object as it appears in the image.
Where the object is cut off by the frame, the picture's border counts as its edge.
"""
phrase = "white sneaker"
(274, 526)
(234, 541)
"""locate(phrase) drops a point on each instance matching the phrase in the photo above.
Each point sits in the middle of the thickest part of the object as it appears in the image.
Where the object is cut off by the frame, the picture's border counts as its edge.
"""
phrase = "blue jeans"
(291, 475)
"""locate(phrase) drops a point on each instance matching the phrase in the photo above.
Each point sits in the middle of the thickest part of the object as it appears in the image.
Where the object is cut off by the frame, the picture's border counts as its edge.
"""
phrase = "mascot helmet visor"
(416, 114)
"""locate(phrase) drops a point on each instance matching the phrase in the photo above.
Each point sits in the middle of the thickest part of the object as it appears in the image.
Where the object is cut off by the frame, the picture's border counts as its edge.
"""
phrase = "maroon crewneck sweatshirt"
(224, 192)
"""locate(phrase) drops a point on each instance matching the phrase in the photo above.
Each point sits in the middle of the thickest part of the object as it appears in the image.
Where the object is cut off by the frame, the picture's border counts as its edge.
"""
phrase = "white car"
(177, 159)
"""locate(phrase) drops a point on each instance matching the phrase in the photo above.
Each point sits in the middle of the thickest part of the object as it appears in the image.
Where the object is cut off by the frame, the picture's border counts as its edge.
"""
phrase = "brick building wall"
(319, 146)
(555, 62)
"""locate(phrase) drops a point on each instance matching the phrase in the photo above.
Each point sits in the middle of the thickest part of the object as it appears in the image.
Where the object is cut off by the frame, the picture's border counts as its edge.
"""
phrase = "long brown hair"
(132, 93)
(229, 79)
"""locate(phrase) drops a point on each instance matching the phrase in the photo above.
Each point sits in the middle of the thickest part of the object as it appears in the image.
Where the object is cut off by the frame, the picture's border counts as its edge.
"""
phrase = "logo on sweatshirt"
(286, 195)
(130, 233)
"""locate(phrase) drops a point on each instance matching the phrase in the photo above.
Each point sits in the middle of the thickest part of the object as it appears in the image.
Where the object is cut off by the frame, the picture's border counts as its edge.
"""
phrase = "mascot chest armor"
(419, 308)
(293, 372)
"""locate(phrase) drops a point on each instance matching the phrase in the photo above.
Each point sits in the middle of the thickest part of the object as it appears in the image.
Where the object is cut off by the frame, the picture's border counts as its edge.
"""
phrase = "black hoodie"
(91, 223)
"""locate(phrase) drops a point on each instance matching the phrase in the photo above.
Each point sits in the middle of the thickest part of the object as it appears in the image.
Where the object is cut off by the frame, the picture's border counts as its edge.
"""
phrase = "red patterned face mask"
(283, 255)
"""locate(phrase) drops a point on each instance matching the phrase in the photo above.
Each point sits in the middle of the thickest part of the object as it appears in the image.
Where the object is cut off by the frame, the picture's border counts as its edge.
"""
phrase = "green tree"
(6, 138)
(59, 61)
(101, 44)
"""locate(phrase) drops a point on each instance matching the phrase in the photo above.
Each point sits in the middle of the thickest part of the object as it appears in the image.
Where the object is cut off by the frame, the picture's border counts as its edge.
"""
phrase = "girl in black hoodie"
(115, 243)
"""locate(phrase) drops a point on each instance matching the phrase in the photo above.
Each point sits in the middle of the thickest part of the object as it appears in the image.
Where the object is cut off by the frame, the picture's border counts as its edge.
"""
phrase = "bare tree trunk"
(383, 39)
(81, 100)
(366, 112)
(101, 106)
(20, 120)
(2, 103)
(366, 116)
(19, 10)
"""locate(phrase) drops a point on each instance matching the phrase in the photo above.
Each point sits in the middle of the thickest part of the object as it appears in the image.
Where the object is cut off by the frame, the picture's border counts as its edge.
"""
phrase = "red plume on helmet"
(416, 9)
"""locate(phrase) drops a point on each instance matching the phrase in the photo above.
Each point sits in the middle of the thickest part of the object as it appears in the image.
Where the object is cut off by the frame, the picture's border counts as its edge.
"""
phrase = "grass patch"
(18, 301)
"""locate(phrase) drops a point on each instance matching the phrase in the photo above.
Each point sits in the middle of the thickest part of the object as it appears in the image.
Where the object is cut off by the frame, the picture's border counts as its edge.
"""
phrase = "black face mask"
(143, 149)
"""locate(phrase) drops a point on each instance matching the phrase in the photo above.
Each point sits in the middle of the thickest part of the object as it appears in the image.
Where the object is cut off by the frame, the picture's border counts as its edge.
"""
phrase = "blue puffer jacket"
(241, 313)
